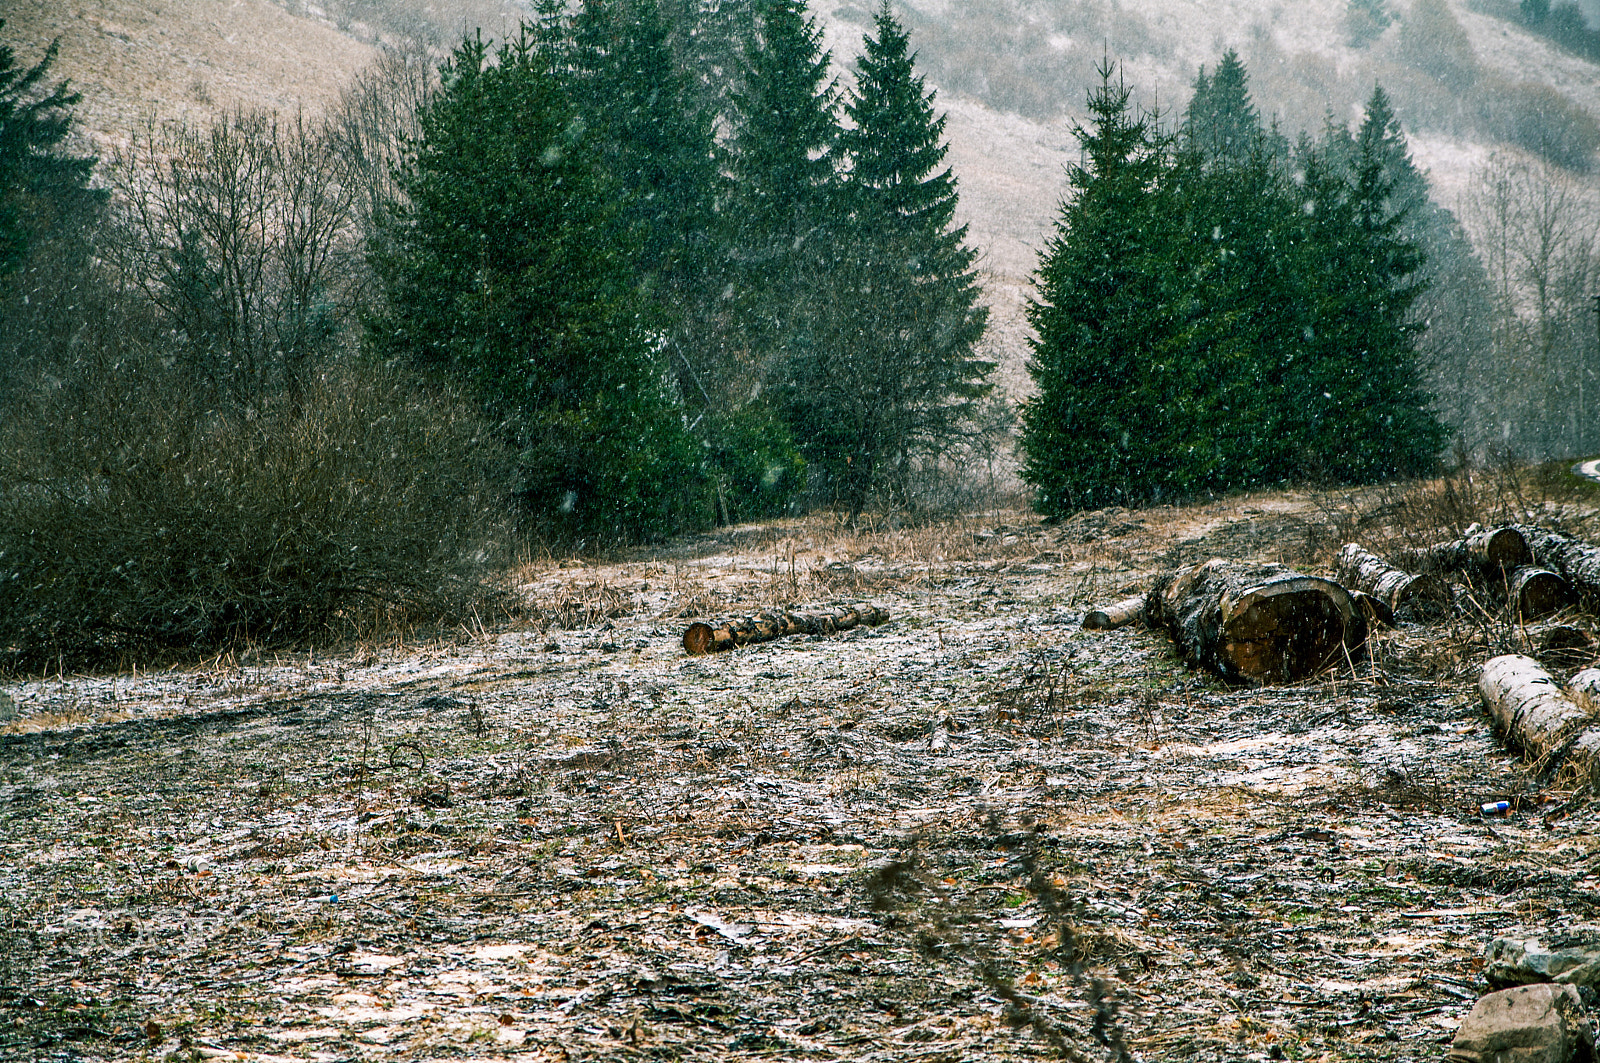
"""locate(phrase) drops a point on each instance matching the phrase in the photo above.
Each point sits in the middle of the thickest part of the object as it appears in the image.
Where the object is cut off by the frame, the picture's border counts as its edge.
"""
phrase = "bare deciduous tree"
(1537, 231)
(244, 235)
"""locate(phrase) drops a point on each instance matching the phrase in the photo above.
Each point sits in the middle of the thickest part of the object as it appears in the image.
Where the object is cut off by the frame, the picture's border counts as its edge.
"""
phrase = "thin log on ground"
(1574, 559)
(1410, 595)
(1533, 592)
(1115, 615)
(772, 624)
(1482, 551)
(1529, 707)
(1257, 623)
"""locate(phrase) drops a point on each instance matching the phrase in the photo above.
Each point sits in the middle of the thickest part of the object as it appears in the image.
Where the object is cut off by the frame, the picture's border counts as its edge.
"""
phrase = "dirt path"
(976, 832)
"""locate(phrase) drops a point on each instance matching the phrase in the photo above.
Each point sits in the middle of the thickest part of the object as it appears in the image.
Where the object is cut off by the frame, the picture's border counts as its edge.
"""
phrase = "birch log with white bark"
(1529, 706)
(1533, 592)
(1574, 559)
(1115, 615)
(1480, 551)
(1410, 595)
(775, 624)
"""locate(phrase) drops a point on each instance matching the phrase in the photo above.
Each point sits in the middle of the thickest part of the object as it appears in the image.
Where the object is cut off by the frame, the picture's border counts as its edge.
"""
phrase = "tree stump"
(1410, 596)
(1256, 623)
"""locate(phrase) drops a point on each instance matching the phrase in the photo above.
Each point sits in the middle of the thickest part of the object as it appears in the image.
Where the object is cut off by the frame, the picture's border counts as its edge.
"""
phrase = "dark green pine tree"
(44, 191)
(655, 138)
(1221, 121)
(1238, 326)
(784, 126)
(897, 379)
(656, 141)
(510, 268)
(1362, 413)
(1104, 316)
(1454, 352)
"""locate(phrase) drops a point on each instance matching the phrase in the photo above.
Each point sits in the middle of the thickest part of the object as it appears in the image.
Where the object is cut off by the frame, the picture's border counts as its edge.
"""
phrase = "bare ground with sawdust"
(976, 832)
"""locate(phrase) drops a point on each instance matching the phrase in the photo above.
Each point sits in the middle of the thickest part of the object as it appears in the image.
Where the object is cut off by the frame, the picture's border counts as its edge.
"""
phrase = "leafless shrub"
(141, 517)
(242, 234)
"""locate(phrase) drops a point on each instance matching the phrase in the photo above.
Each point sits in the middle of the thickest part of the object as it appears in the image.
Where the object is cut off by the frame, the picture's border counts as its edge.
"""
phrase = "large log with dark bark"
(1529, 707)
(1256, 623)
(1409, 595)
(775, 624)
(1533, 592)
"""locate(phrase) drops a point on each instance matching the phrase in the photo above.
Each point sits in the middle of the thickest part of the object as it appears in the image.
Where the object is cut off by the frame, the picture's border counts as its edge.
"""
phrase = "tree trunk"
(775, 624)
(1115, 615)
(1587, 683)
(1528, 706)
(1535, 593)
(1259, 623)
(1408, 595)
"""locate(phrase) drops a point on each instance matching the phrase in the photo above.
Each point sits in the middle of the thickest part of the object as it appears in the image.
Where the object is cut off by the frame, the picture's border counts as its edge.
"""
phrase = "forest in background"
(639, 268)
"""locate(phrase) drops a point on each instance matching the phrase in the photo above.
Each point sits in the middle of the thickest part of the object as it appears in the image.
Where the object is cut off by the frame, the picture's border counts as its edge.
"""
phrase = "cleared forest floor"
(976, 832)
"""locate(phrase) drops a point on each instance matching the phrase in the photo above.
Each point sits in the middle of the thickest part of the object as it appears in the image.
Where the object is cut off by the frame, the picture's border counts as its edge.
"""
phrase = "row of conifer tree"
(1220, 309)
(662, 315)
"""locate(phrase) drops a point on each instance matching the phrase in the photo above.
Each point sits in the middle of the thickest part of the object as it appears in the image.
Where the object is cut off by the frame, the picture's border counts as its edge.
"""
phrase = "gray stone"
(1529, 1024)
(1569, 956)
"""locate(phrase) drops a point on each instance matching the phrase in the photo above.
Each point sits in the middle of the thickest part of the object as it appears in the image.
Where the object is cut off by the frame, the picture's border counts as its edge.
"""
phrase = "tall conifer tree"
(784, 130)
(898, 377)
(1104, 310)
(43, 189)
(509, 268)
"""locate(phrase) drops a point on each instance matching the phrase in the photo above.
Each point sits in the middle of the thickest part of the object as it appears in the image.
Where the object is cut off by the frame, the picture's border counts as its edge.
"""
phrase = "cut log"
(1115, 615)
(1534, 592)
(1260, 623)
(1587, 683)
(1481, 551)
(1528, 705)
(1577, 561)
(772, 624)
(1411, 596)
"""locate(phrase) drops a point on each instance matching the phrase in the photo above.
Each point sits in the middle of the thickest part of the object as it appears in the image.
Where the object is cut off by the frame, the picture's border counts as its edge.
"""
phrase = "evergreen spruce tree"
(896, 378)
(1454, 353)
(44, 190)
(1359, 378)
(783, 210)
(655, 139)
(784, 127)
(1221, 121)
(509, 267)
(1208, 321)
(1097, 425)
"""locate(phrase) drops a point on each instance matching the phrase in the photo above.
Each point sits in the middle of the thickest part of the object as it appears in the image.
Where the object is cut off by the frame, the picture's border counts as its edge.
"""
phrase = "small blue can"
(1496, 808)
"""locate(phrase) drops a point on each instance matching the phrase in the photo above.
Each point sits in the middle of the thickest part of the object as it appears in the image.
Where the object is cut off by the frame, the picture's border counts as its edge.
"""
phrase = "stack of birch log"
(1268, 623)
